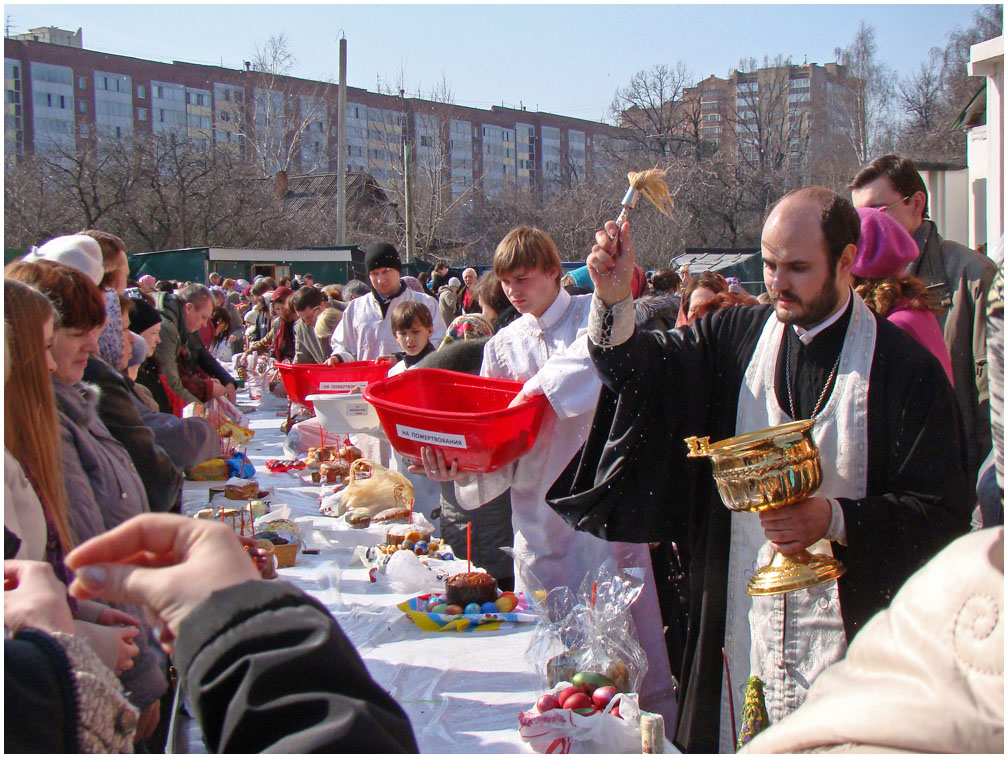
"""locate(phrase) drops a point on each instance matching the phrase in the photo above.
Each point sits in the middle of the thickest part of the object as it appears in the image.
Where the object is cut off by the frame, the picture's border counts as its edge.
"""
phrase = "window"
(82, 106)
(141, 114)
(81, 82)
(49, 99)
(158, 91)
(426, 142)
(141, 91)
(63, 102)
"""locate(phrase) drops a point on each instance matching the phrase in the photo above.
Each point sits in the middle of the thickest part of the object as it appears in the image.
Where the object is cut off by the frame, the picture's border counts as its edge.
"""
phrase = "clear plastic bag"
(373, 488)
(591, 630)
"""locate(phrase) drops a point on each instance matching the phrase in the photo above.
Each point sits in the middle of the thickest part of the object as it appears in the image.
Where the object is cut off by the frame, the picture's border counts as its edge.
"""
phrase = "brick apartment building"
(806, 105)
(58, 94)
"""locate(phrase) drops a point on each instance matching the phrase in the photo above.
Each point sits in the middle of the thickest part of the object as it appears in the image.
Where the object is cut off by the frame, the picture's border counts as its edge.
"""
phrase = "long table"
(462, 691)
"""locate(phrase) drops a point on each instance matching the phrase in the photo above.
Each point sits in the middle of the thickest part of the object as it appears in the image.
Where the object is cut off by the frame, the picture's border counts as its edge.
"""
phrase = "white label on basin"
(341, 386)
(431, 438)
(358, 409)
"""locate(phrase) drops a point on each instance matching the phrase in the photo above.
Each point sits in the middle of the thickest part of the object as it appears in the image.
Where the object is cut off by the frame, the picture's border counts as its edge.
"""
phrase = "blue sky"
(567, 59)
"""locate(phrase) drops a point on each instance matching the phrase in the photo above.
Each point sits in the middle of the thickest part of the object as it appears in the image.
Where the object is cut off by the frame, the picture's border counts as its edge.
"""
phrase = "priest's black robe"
(633, 482)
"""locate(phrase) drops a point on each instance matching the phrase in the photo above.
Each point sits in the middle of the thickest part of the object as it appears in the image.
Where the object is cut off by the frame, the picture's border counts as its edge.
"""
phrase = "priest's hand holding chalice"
(774, 472)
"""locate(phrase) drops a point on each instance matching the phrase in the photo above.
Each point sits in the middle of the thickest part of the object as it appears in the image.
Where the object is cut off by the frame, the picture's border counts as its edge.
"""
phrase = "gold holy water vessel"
(771, 468)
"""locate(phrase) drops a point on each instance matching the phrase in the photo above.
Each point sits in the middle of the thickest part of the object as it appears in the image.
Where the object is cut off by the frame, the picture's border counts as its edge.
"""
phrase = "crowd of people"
(867, 321)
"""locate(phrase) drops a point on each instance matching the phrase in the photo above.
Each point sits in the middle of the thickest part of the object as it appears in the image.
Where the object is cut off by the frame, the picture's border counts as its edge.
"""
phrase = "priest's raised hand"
(611, 263)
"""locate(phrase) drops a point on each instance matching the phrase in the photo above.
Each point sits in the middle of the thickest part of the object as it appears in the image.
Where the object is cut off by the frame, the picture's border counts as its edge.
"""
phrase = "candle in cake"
(469, 546)
(411, 501)
(594, 590)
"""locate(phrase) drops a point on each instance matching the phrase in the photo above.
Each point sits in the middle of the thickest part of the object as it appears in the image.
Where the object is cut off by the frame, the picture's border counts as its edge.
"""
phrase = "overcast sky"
(567, 59)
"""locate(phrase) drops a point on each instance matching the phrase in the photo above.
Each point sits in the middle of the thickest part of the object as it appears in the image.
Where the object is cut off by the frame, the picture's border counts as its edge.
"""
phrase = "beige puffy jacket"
(925, 675)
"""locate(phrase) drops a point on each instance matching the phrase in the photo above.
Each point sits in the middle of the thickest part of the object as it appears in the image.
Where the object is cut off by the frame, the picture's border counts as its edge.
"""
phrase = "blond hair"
(526, 247)
(31, 426)
(326, 323)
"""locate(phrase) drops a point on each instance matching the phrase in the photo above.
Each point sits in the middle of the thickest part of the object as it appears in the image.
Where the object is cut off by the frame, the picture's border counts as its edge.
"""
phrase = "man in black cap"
(365, 331)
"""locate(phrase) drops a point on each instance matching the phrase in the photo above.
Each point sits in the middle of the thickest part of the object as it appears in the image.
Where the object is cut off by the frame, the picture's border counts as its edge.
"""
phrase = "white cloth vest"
(789, 639)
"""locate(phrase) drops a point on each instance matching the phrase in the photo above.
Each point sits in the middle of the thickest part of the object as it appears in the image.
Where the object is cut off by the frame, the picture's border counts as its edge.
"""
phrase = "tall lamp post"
(407, 189)
(341, 146)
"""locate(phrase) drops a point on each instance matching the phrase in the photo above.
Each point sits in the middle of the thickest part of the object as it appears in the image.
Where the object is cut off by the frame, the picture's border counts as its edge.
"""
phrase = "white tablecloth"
(462, 691)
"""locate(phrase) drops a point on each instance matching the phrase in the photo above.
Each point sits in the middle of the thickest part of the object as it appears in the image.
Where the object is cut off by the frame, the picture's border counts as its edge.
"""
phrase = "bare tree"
(652, 108)
(934, 95)
(868, 108)
(920, 93)
(422, 128)
(958, 85)
(286, 124)
(36, 206)
(772, 132)
(195, 195)
(156, 192)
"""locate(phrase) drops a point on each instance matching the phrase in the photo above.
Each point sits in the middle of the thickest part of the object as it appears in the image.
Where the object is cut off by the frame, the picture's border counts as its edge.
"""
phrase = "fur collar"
(78, 402)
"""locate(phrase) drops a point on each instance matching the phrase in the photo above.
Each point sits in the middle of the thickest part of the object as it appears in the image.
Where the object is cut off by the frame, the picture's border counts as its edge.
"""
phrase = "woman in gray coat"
(103, 486)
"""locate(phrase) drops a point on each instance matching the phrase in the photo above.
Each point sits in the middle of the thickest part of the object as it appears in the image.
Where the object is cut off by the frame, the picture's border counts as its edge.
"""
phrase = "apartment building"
(803, 107)
(52, 35)
(57, 96)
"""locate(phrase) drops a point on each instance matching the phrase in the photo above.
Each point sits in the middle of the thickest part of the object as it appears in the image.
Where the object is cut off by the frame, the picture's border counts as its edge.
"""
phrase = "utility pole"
(407, 157)
(407, 193)
(341, 146)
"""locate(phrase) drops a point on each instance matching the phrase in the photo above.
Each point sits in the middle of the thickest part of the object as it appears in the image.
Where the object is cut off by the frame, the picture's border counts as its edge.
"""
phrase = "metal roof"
(713, 259)
(246, 254)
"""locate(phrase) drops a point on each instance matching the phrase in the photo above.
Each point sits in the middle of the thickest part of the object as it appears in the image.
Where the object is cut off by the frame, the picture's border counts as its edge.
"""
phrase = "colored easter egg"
(439, 608)
(472, 608)
(506, 603)
(453, 610)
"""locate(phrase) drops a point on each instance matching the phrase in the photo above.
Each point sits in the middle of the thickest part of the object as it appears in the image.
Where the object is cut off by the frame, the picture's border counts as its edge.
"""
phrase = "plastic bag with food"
(374, 488)
(563, 730)
(590, 630)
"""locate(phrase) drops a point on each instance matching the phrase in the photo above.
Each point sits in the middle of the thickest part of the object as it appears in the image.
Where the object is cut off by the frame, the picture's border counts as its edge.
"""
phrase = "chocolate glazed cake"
(472, 587)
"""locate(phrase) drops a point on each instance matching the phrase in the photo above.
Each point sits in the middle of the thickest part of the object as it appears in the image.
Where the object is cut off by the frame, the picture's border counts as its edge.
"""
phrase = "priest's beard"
(815, 310)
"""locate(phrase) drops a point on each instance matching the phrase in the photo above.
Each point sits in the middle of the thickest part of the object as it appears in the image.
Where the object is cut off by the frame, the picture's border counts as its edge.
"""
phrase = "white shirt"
(363, 334)
(550, 354)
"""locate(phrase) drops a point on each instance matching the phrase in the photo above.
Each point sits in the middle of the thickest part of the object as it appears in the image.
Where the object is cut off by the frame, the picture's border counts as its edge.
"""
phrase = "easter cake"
(470, 587)
(400, 533)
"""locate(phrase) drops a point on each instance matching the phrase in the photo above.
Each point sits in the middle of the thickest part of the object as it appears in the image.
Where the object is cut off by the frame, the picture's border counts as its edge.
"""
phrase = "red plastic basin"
(304, 379)
(465, 416)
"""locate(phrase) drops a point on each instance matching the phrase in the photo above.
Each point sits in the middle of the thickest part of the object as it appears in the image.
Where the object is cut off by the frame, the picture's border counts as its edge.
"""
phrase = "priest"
(894, 488)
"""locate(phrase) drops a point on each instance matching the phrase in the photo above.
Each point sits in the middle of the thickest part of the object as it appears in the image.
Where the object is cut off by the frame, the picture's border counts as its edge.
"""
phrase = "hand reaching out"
(166, 562)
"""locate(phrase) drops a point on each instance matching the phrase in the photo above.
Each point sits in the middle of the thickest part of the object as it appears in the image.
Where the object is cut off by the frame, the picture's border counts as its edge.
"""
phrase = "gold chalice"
(771, 468)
